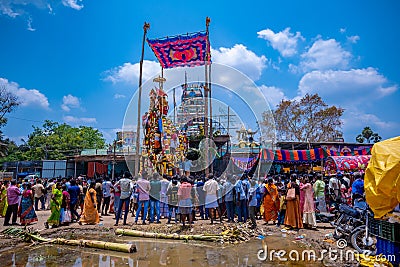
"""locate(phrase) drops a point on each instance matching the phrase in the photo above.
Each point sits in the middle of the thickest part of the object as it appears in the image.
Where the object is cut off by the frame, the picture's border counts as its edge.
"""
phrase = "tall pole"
(206, 90)
(208, 20)
(146, 26)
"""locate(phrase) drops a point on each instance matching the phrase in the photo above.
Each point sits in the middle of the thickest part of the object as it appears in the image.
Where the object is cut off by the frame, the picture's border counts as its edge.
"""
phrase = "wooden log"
(128, 248)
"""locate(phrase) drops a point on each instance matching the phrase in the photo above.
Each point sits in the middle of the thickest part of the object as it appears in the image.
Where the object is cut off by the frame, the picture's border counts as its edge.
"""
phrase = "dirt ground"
(105, 231)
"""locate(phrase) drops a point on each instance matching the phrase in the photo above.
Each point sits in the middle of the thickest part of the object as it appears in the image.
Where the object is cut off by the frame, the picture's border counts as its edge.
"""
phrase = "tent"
(382, 177)
(346, 163)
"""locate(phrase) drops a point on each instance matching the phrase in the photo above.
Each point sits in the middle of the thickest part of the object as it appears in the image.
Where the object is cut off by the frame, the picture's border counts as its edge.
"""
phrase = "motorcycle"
(352, 225)
(348, 219)
(361, 239)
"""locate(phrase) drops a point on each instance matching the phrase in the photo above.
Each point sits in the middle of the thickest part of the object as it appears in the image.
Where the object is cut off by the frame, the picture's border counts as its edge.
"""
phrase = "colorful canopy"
(182, 50)
(346, 163)
(306, 156)
(292, 156)
(382, 177)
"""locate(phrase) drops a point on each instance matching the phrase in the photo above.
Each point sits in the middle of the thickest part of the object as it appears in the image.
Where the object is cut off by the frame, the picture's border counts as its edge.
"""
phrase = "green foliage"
(55, 141)
(368, 135)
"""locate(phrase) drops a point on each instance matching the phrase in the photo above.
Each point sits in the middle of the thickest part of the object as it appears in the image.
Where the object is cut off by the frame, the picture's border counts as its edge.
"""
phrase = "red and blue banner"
(304, 156)
(181, 51)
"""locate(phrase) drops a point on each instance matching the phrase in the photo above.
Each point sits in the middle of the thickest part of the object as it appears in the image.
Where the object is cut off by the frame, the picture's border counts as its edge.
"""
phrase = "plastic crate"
(384, 229)
(374, 226)
(390, 250)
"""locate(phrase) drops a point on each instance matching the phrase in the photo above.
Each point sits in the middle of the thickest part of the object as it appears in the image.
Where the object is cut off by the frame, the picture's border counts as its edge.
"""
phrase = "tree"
(308, 119)
(368, 135)
(56, 141)
(8, 102)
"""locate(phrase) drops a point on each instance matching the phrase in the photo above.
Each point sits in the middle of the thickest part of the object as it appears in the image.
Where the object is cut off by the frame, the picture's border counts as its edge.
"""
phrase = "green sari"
(4, 202)
(55, 207)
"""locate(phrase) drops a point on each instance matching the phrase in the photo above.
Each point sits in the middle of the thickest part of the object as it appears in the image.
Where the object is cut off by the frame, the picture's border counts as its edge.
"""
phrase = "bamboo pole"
(128, 248)
(27, 236)
(135, 233)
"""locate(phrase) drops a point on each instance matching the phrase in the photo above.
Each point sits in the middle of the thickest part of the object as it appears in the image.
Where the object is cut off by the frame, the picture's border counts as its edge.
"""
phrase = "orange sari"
(293, 215)
(90, 214)
(271, 203)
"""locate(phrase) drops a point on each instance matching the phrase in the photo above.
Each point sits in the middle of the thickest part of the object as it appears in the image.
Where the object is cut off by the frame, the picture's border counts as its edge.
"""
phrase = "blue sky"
(77, 61)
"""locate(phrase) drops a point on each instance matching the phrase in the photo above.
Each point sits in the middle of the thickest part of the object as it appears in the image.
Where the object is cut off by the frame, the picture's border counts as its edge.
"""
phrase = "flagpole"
(146, 26)
(208, 20)
(206, 89)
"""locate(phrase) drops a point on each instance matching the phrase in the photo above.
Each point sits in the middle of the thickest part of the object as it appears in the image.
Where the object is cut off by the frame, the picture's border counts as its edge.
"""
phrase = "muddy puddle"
(151, 252)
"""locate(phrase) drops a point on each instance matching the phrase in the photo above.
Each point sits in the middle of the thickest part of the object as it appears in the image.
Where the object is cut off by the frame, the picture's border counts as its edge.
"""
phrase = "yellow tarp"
(382, 177)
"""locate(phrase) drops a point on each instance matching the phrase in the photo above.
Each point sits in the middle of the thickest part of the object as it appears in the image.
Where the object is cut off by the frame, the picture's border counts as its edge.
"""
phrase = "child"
(253, 204)
(282, 208)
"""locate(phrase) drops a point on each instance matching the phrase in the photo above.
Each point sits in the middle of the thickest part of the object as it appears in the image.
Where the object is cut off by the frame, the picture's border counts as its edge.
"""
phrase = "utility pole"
(146, 26)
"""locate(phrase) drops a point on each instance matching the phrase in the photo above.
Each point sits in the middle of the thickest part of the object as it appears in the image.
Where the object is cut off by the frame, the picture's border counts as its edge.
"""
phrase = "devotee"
(211, 204)
(65, 217)
(3, 198)
(253, 204)
(242, 187)
(292, 217)
(55, 207)
(319, 193)
(270, 202)
(172, 194)
(106, 187)
(143, 189)
(357, 189)
(26, 211)
(185, 196)
(155, 190)
(13, 194)
(90, 215)
(75, 195)
(38, 190)
(309, 219)
(228, 192)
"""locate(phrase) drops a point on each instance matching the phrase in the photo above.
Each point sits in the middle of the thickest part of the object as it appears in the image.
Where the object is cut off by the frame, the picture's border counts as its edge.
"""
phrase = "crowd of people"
(290, 200)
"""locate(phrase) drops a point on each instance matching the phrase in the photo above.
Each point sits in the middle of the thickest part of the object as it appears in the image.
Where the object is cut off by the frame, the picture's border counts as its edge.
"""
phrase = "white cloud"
(325, 54)
(20, 8)
(76, 120)
(351, 85)
(27, 97)
(73, 4)
(29, 26)
(118, 96)
(241, 58)
(353, 39)
(70, 101)
(129, 73)
(342, 30)
(284, 41)
(354, 120)
(273, 94)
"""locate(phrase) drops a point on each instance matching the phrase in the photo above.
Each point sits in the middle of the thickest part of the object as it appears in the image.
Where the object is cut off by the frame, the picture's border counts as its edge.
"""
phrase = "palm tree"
(368, 135)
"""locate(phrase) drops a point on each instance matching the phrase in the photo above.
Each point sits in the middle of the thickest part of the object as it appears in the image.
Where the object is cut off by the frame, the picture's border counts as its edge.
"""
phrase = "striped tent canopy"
(365, 151)
(293, 156)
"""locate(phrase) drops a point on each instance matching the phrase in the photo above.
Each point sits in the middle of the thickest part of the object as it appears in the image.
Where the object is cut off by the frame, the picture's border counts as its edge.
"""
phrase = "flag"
(182, 50)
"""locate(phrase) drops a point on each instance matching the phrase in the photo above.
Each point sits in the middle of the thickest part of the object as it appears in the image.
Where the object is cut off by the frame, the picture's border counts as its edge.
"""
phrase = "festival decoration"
(346, 163)
(160, 134)
(182, 50)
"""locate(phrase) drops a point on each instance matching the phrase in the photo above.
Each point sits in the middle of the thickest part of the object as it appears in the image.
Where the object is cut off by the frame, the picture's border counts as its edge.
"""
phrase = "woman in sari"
(270, 202)
(292, 217)
(3, 199)
(90, 214)
(302, 195)
(65, 217)
(309, 206)
(55, 207)
(26, 211)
